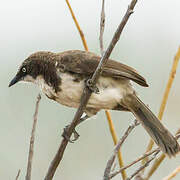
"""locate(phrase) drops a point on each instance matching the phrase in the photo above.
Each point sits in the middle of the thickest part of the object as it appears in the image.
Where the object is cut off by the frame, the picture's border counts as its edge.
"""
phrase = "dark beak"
(14, 81)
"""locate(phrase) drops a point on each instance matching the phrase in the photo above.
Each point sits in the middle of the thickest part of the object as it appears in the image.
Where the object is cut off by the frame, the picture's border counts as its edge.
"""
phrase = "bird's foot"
(65, 135)
(92, 86)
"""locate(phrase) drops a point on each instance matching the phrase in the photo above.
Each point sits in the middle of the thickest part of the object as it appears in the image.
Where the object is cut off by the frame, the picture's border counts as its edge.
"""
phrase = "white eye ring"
(24, 69)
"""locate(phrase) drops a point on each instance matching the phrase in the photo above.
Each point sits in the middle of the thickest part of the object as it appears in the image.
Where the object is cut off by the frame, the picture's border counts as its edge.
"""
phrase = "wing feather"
(84, 62)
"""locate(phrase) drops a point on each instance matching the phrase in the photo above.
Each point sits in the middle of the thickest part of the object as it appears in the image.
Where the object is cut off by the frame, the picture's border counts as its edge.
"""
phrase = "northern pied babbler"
(62, 77)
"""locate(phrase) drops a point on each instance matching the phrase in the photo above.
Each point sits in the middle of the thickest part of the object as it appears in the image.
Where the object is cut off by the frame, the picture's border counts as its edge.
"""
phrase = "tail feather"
(161, 136)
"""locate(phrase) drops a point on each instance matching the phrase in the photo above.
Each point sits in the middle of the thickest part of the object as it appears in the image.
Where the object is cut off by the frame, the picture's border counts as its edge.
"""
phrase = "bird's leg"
(82, 119)
(75, 133)
(92, 86)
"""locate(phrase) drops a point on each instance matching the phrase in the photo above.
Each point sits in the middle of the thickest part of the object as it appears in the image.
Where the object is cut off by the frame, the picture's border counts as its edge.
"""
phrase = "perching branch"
(116, 149)
(31, 146)
(87, 93)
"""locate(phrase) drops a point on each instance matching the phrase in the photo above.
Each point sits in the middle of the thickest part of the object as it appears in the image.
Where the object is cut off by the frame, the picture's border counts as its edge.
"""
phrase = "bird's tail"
(161, 136)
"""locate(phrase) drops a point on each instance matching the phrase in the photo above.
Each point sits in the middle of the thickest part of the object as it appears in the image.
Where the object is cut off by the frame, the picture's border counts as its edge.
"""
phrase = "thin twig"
(133, 162)
(166, 93)
(143, 166)
(173, 174)
(102, 25)
(116, 149)
(17, 176)
(31, 146)
(139, 159)
(77, 25)
(87, 93)
(155, 165)
(109, 119)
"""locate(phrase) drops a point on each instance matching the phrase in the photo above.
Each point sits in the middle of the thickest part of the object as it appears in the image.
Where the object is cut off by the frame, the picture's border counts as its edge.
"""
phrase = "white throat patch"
(44, 87)
(29, 78)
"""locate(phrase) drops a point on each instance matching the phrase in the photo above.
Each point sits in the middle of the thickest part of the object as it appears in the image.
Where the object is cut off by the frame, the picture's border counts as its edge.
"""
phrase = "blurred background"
(148, 43)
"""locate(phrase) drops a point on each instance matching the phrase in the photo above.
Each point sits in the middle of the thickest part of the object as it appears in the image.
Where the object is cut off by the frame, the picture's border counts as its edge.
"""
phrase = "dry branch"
(31, 146)
(133, 162)
(143, 166)
(147, 163)
(116, 149)
(155, 165)
(87, 93)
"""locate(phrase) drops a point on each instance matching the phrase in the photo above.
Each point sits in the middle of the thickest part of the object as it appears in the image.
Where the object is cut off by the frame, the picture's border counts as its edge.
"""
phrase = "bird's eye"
(23, 69)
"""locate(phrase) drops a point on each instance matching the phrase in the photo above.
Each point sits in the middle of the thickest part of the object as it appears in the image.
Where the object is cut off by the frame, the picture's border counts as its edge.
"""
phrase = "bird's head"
(39, 64)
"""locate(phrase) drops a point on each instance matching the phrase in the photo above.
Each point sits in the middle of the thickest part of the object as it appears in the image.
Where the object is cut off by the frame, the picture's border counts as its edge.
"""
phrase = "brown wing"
(84, 62)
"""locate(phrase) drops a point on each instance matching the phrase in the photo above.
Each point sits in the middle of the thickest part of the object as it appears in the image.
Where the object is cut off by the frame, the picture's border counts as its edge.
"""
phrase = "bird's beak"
(14, 80)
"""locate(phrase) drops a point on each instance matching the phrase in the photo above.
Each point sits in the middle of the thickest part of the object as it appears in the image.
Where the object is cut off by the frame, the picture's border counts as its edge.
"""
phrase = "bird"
(63, 76)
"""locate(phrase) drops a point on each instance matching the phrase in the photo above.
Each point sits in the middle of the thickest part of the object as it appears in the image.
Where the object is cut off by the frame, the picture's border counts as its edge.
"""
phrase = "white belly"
(110, 92)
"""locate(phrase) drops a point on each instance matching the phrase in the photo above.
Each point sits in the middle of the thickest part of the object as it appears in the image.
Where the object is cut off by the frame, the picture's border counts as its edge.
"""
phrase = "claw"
(76, 135)
(92, 86)
(64, 134)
